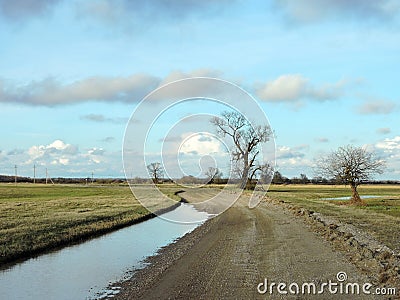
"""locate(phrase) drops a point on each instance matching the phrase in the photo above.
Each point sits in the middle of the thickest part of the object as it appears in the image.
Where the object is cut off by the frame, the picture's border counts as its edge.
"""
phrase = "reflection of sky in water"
(80, 271)
(349, 197)
(186, 214)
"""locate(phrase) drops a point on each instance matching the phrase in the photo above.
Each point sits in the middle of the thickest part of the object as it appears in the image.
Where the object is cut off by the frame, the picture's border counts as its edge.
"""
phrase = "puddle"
(349, 197)
(86, 270)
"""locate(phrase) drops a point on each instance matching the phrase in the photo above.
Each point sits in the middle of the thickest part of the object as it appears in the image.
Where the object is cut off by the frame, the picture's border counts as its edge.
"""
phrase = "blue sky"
(72, 73)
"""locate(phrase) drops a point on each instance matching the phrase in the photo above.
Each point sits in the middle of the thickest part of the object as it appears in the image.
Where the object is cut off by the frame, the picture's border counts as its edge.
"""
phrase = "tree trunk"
(355, 198)
(243, 181)
(245, 174)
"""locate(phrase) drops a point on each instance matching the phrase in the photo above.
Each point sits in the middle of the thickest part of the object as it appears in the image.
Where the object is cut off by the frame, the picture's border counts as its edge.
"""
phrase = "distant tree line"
(61, 180)
(278, 178)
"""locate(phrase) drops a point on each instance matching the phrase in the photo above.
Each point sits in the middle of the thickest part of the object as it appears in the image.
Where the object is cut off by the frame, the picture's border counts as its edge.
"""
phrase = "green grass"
(35, 218)
(380, 217)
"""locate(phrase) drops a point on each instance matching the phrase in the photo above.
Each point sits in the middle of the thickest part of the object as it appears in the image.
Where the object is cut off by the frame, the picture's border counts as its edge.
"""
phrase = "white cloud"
(191, 153)
(376, 106)
(58, 144)
(96, 151)
(51, 92)
(389, 144)
(200, 144)
(389, 150)
(57, 152)
(284, 88)
(294, 88)
(95, 155)
(292, 161)
(131, 89)
(193, 88)
(61, 159)
(288, 153)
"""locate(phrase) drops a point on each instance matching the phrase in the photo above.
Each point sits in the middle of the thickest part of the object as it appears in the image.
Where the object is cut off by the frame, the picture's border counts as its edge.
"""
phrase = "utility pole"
(34, 174)
(92, 178)
(15, 174)
(46, 175)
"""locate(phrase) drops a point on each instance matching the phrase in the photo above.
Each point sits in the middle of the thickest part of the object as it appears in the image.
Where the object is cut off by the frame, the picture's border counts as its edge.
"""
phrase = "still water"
(349, 197)
(84, 271)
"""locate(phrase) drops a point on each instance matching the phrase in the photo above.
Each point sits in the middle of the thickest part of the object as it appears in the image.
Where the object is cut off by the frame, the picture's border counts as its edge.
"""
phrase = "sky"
(72, 73)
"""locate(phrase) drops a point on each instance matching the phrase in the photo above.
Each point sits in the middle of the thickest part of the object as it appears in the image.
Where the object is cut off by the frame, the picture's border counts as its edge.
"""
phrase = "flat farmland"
(379, 217)
(37, 218)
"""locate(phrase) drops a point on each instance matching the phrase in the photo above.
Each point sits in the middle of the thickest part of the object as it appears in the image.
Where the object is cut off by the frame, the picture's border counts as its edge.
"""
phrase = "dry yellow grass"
(36, 218)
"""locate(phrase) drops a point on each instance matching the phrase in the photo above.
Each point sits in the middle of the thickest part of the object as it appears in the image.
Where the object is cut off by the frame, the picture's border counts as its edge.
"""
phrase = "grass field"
(380, 217)
(34, 218)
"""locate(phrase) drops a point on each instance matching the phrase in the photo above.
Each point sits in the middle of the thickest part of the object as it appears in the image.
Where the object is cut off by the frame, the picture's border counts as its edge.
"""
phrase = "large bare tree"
(247, 139)
(351, 166)
(156, 171)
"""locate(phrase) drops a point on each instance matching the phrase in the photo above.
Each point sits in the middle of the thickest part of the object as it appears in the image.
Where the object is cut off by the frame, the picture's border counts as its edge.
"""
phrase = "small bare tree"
(156, 171)
(266, 173)
(212, 174)
(247, 139)
(350, 165)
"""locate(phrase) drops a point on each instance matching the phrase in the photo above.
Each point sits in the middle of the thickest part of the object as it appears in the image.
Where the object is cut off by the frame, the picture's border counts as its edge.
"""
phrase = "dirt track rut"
(238, 250)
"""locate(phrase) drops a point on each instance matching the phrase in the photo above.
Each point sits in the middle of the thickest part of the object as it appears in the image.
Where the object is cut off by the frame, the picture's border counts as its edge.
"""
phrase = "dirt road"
(231, 254)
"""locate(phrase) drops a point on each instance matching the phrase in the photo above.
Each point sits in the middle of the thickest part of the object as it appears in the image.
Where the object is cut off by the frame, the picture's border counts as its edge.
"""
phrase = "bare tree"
(350, 165)
(247, 139)
(266, 172)
(304, 179)
(156, 171)
(212, 174)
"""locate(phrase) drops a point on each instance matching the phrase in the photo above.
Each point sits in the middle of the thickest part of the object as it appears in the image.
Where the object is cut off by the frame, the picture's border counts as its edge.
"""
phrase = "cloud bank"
(51, 92)
(288, 88)
(61, 159)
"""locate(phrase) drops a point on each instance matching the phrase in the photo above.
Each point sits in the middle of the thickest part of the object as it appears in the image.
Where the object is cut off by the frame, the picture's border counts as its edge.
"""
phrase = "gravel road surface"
(230, 255)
